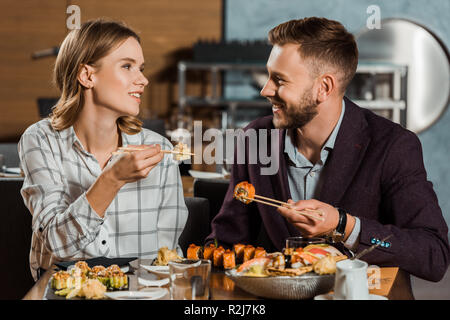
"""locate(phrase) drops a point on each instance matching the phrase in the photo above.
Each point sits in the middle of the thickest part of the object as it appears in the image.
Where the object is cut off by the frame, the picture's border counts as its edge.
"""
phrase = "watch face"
(337, 236)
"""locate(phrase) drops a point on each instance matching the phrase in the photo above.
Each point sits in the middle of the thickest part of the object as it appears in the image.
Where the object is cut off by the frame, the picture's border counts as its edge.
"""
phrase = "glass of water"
(301, 242)
(189, 279)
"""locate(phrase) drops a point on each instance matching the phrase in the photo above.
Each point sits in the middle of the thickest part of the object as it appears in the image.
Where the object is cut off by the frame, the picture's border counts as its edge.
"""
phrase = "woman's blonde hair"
(93, 41)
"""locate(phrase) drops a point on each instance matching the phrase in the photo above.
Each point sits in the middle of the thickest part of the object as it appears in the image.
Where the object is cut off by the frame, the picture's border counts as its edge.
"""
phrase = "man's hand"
(310, 227)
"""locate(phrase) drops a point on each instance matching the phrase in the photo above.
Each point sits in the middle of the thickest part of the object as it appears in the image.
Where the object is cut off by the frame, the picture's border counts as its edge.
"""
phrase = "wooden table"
(394, 284)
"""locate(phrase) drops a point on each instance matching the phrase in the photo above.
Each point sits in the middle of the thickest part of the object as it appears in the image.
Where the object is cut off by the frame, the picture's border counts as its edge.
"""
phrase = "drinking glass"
(189, 279)
(301, 242)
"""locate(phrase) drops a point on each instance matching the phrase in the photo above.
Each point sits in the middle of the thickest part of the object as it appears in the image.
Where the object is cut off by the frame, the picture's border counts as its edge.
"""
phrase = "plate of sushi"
(160, 265)
(295, 273)
(81, 281)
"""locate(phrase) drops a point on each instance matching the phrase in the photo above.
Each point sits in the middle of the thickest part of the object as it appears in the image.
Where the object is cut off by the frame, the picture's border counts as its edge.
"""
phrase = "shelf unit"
(396, 103)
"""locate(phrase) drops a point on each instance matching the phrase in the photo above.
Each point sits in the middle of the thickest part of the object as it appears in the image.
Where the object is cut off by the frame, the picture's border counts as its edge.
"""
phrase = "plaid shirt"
(143, 217)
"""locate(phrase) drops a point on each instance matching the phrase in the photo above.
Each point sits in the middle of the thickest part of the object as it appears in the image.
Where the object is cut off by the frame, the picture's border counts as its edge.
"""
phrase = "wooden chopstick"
(163, 151)
(178, 152)
(279, 206)
(320, 213)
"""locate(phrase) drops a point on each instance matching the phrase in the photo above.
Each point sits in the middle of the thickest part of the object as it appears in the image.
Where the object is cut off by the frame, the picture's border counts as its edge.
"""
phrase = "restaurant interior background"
(205, 61)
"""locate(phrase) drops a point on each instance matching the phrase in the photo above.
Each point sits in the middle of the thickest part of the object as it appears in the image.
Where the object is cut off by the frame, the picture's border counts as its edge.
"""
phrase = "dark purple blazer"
(376, 173)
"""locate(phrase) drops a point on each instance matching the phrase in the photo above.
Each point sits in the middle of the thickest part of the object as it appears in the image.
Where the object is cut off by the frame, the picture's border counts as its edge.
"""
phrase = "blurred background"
(205, 60)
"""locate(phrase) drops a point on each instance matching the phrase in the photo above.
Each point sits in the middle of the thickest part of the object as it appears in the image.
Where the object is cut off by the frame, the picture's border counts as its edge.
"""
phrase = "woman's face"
(118, 81)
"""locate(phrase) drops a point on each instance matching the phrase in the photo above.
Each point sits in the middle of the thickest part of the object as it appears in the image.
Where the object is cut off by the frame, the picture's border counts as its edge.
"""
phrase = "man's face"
(289, 88)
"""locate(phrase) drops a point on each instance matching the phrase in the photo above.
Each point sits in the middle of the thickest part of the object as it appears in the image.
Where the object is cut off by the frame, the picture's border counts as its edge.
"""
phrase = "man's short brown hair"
(322, 42)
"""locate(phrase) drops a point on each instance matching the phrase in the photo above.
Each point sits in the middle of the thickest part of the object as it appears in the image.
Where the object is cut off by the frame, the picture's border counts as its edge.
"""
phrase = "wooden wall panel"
(167, 29)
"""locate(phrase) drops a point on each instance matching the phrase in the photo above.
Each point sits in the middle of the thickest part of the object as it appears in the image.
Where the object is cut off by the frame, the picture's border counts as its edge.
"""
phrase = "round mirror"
(403, 42)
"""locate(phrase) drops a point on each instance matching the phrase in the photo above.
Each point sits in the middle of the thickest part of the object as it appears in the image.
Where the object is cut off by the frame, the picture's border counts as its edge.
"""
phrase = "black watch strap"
(342, 221)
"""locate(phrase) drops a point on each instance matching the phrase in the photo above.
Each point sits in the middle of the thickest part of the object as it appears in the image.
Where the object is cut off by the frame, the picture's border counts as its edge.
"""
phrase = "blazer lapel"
(346, 156)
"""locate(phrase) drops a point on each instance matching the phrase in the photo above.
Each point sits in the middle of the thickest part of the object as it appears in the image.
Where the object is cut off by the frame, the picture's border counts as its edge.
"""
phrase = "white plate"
(153, 283)
(205, 175)
(148, 294)
(161, 271)
(329, 296)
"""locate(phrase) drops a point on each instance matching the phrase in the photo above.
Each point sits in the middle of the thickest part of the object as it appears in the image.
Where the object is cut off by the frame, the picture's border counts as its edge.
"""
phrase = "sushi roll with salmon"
(260, 252)
(218, 257)
(194, 252)
(229, 259)
(249, 252)
(208, 252)
(254, 267)
(239, 251)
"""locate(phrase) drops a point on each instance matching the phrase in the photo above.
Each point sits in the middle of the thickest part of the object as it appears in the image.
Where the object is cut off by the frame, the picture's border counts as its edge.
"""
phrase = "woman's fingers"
(148, 152)
(150, 161)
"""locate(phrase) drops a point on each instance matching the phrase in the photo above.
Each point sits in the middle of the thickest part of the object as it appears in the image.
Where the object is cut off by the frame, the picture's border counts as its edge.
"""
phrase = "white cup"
(351, 280)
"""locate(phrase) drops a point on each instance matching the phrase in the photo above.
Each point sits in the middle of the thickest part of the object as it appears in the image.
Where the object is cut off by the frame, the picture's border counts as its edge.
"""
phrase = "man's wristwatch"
(338, 234)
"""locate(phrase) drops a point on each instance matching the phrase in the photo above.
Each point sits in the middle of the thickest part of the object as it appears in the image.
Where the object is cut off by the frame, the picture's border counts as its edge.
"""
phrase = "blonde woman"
(84, 202)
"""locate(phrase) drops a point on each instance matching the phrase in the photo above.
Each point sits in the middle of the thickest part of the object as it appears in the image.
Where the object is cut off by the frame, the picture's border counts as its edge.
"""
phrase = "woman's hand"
(135, 165)
(129, 167)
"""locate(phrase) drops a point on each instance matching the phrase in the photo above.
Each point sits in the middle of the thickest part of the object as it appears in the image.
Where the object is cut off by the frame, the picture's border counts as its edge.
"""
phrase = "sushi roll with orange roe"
(260, 252)
(249, 252)
(239, 251)
(244, 191)
(218, 256)
(229, 259)
(194, 252)
(208, 252)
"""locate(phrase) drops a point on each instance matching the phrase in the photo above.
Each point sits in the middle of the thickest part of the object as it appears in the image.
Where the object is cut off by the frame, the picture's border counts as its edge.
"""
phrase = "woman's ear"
(85, 76)
(327, 85)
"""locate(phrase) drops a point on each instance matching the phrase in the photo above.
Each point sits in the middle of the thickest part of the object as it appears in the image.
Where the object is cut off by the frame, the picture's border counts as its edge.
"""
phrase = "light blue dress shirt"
(305, 178)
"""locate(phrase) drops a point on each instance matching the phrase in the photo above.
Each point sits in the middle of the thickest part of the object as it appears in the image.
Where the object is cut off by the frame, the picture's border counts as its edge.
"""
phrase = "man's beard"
(298, 115)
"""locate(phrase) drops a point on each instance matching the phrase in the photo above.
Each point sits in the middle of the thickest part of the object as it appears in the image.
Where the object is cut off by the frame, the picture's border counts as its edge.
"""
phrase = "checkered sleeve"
(65, 225)
(172, 211)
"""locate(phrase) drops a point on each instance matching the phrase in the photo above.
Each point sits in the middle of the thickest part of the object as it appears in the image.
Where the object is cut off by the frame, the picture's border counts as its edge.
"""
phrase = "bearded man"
(363, 172)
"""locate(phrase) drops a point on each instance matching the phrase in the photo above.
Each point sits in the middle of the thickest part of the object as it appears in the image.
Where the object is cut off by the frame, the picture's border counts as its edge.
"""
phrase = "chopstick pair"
(126, 149)
(306, 212)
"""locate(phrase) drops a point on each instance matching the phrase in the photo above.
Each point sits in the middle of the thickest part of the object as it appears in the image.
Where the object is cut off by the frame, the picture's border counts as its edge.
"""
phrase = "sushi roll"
(83, 267)
(244, 192)
(229, 259)
(254, 267)
(239, 250)
(218, 257)
(249, 252)
(62, 280)
(113, 278)
(296, 261)
(93, 274)
(322, 250)
(277, 260)
(209, 251)
(260, 252)
(194, 252)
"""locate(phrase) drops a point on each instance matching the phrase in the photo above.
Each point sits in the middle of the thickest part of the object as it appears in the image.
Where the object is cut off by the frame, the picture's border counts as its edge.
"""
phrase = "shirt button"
(41, 229)
(312, 174)
(104, 242)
